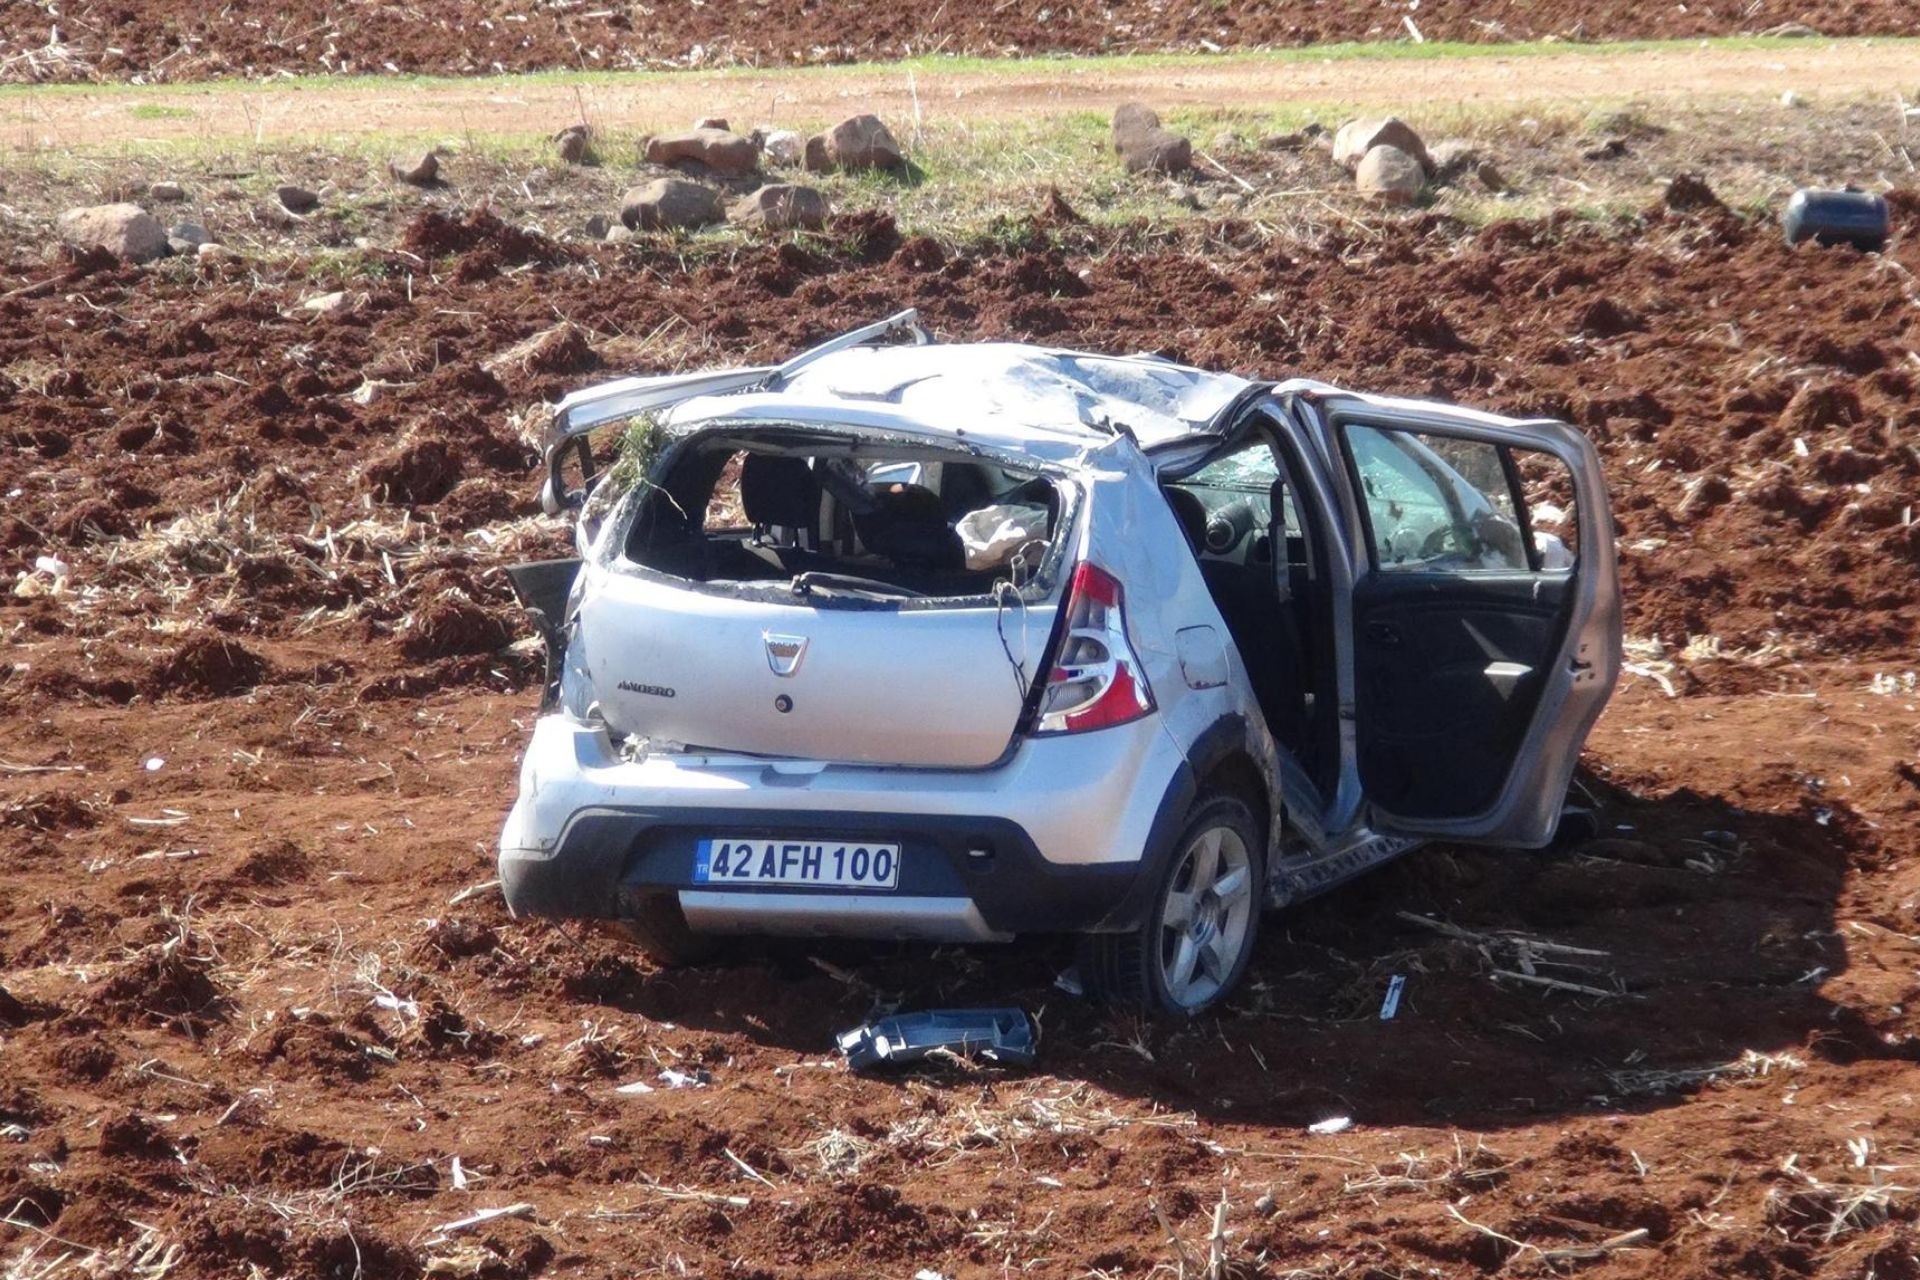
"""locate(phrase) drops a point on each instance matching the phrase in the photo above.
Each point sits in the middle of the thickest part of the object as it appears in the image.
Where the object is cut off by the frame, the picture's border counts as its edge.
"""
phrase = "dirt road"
(525, 104)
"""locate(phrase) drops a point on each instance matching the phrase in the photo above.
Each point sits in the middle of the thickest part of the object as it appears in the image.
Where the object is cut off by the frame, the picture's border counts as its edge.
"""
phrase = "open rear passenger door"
(1485, 634)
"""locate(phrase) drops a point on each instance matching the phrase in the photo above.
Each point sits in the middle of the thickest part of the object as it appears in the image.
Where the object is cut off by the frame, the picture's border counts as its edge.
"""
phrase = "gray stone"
(1391, 176)
(783, 147)
(167, 192)
(722, 152)
(574, 143)
(713, 122)
(1146, 147)
(861, 143)
(619, 234)
(296, 199)
(1489, 176)
(186, 237)
(1452, 159)
(815, 155)
(422, 170)
(212, 252)
(667, 204)
(125, 230)
(598, 226)
(781, 207)
(1357, 137)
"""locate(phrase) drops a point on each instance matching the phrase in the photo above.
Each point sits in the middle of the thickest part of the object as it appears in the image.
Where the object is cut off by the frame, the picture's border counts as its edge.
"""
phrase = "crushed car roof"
(1005, 390)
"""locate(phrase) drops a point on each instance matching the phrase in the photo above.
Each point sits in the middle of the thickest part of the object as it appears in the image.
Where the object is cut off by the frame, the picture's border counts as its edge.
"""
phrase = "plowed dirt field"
(257, 738)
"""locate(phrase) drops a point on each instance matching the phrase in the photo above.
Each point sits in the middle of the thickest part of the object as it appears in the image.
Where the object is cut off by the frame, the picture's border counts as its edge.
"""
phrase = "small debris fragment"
(1390, 1006)
(1331, 1125)
(483, 1217)
(166, 192)
(1004, 1037)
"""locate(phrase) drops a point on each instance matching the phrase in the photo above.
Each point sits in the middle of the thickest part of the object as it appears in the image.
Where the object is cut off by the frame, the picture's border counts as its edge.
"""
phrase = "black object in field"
(1858, 218)
(1000, 1036)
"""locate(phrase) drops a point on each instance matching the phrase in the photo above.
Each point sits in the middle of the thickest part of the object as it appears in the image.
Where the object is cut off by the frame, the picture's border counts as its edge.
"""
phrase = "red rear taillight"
(1095, 680)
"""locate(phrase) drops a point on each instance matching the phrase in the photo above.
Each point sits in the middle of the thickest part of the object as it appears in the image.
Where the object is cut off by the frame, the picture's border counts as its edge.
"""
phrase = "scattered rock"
(619, 233)
(1689, 191)
(1391, 176)
(722, 152)
(667, 204)
(1611, 149)
(420, 171)
(1452, 159)
(857, 144)
(328, 304)
(781, 207)
(1790, 98)
(1359, 137)
(783, 147)
(597, 226)
(125, 230)
(575, 144)
(296, 199)
(814, 155)
(211, 252)
(167, 192)
(1295, 141)
(713, 122)
(1488, 175)
(187, 237)
(1145, 146)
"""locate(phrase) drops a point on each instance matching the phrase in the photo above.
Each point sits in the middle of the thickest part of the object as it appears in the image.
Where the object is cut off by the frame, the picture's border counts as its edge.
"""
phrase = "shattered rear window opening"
(846, 518)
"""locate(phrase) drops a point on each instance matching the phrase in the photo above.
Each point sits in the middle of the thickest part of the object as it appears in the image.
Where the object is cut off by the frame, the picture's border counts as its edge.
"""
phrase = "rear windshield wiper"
(806, 584)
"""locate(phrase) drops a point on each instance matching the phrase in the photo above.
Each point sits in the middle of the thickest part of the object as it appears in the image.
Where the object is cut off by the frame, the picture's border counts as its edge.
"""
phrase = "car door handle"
(1384, 634)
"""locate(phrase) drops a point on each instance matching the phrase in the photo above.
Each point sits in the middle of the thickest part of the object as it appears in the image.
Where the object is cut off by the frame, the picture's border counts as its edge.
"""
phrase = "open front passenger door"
(1485, 613)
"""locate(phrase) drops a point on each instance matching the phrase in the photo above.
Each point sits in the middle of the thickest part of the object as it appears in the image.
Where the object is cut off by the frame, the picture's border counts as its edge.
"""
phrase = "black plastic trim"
(606, 855)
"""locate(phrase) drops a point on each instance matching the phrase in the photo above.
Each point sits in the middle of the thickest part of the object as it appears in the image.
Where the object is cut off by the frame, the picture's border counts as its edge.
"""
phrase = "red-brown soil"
(239, 1005)
(183, 40)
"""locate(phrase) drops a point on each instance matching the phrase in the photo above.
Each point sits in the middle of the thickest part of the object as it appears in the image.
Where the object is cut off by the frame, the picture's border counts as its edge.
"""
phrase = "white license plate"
(833, 863)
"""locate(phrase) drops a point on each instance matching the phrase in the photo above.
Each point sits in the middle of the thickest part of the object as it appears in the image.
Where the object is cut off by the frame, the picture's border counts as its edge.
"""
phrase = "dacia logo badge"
(784, 652)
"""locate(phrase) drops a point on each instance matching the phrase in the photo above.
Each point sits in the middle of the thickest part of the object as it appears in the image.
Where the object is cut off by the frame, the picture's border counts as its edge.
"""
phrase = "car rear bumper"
(1052, 840)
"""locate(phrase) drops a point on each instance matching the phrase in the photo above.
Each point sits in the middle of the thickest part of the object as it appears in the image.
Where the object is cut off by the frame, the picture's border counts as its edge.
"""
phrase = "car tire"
(658, 927)
(1201, 933)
